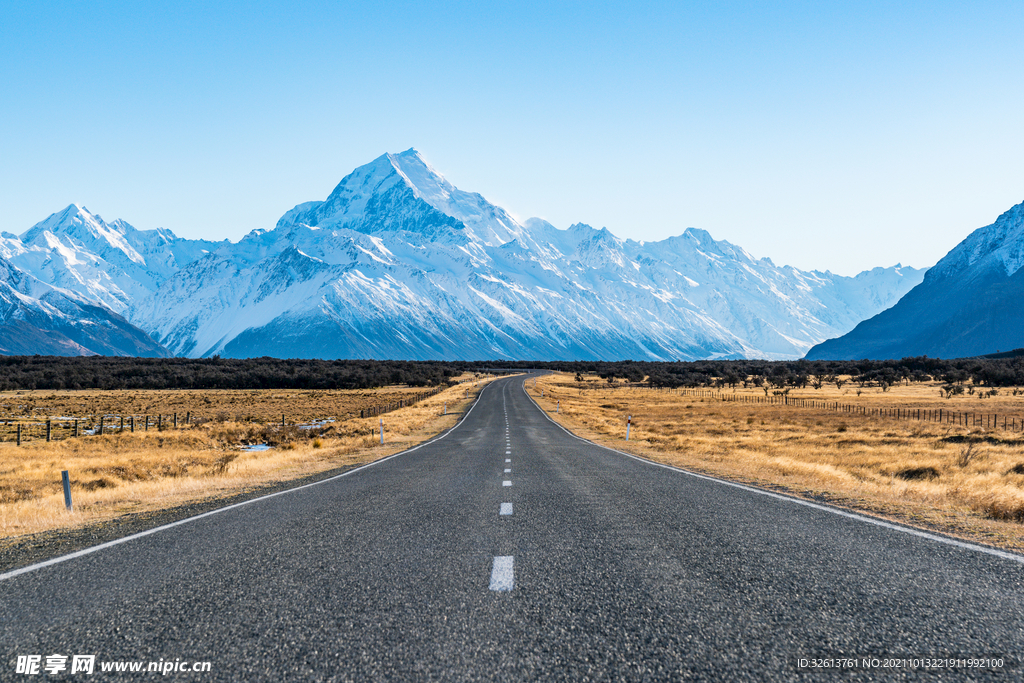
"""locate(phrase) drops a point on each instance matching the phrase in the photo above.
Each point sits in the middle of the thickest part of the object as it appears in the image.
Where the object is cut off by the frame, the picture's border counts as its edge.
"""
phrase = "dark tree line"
(1005, 370)
(105, 372)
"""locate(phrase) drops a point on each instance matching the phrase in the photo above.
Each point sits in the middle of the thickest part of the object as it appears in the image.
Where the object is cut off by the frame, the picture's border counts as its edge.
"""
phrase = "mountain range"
(399, 263)
(968, 304)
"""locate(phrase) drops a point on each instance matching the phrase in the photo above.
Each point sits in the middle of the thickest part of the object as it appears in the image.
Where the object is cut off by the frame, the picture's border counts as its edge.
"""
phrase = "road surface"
(511, 550)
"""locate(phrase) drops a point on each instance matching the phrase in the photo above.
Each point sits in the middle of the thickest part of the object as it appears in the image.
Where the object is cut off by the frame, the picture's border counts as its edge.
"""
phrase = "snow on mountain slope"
(37, 318)
(399, 263)
(998, 247)
(112, 264)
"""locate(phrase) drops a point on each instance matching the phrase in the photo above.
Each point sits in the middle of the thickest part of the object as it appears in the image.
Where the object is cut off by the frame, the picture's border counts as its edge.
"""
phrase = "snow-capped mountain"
(37, 318)
(399, 263)
(112, 264)
(967, 305)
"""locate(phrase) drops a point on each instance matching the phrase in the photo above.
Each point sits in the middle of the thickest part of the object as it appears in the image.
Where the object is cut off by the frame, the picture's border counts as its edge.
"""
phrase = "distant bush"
(103, 372)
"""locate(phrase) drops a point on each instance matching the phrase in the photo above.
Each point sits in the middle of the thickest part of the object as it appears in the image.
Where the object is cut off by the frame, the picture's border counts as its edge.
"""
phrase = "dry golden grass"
(240, 405)
(125, 473)
(967, 481)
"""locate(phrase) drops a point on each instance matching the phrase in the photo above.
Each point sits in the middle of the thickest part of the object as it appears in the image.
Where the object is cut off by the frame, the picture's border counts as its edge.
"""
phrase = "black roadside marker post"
(67, 488)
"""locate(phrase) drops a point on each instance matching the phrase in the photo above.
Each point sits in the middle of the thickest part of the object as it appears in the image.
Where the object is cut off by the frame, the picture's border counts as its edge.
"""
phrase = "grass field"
(124, 473)
(964, 480)
(259, 405)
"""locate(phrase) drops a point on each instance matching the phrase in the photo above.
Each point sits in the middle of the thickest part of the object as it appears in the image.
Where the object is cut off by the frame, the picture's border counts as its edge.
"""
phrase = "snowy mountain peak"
(382, 196)
(77, 224)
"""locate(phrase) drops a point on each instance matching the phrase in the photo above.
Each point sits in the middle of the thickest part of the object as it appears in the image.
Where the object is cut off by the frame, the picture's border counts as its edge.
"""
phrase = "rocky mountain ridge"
(968, 304)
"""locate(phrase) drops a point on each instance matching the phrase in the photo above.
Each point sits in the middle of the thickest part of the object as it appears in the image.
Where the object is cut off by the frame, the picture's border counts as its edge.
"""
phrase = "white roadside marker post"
(446, 407)
(558, 406)
(382, 431)
(66, 480)
(628, 421)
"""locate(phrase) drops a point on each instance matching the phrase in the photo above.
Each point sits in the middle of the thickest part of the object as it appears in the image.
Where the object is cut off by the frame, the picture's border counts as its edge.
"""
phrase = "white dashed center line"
(506, 509)
(507, 470)
(506, 483)
(502, 575)
(508, 459)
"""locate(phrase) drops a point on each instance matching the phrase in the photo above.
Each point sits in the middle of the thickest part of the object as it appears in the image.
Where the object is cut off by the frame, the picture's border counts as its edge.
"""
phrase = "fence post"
(101, 425)
(66, 480)
(159, 422)
(19, 433)
(122, 423)
(131, 421)
(282, 419)
(47, 431)
(146, 418)
(175, 420)
(188, 418)
(76, 428)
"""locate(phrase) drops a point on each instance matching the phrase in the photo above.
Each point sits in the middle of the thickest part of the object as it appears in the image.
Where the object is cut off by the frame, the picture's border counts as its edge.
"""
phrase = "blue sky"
(823, 135)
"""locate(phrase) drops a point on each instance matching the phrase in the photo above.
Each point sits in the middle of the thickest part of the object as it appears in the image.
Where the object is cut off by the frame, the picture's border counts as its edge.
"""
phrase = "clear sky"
(828, 135)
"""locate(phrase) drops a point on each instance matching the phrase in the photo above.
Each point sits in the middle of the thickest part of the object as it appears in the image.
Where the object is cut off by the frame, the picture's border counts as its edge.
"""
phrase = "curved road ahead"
(604, 567)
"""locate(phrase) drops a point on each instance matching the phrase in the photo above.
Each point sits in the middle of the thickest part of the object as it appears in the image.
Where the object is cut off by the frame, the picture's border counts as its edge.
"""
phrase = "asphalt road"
(608, 568)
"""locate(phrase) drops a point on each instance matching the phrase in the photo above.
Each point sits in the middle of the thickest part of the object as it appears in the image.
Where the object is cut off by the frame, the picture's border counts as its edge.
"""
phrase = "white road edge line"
(502, 573)
(506, 509)
(117, 541)
(806, 503)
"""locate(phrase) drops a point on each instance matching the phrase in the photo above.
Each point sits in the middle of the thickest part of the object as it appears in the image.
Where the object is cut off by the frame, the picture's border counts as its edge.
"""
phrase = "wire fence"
(1010, 423)
(18, 429)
